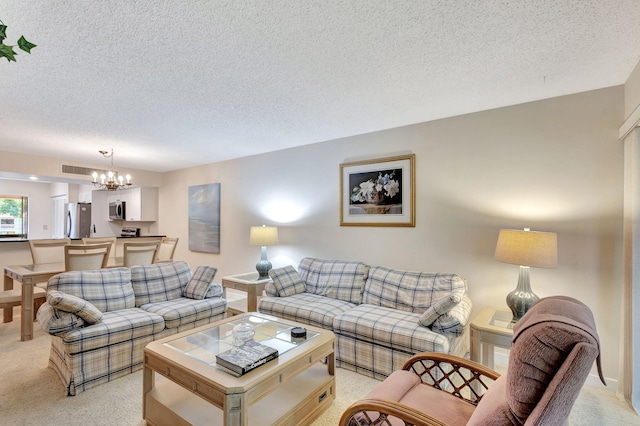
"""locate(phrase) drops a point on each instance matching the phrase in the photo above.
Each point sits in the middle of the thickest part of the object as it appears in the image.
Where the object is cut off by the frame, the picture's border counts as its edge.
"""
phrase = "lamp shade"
(527, 248)
(263, 236)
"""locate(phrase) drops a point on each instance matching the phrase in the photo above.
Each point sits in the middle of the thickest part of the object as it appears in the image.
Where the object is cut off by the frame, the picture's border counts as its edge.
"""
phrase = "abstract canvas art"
(204, 218)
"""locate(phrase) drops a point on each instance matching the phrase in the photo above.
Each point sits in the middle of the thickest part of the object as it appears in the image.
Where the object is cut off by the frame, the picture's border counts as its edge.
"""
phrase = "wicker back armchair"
(554, 347)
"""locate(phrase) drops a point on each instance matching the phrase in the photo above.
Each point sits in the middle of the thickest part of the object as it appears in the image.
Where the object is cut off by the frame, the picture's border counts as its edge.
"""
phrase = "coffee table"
(183, 386)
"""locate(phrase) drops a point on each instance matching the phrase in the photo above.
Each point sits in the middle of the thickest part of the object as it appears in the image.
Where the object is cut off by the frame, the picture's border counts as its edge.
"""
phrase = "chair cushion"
(287, 281)
(389, 328)
(181, 311)
(405, 388)
(198, 286)
(307, 308)
(74, 305)
(54, 321)
(493, 410)
(334, 278)
(159, 282)
(440, 307)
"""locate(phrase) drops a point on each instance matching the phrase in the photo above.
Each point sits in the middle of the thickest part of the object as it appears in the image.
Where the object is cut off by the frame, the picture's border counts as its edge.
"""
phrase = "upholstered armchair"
(553, 349)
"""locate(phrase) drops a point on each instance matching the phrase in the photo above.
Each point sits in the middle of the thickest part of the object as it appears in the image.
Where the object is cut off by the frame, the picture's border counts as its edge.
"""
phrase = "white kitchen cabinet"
(141, 204)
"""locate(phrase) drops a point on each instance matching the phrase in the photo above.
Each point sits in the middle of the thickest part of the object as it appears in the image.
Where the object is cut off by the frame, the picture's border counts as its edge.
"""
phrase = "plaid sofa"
(132, 306)
(380, 316)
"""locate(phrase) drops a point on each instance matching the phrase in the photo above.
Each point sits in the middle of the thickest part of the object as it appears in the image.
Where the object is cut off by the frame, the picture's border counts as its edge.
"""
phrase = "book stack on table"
(245, 357)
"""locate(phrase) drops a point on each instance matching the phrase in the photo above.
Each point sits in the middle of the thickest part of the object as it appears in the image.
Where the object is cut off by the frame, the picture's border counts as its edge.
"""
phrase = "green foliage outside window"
(11, 206)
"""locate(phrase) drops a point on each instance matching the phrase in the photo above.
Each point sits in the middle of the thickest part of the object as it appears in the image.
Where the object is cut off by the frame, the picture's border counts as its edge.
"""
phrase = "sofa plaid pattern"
(389, 328)
(184, 310)
(106, 289)
(115, 327)
(306, 308)
(409, 291)
(159, 282)
(379, 330)
(88, 356)
(454, 321)
(85, 370)
(334, 278)
(286, 281)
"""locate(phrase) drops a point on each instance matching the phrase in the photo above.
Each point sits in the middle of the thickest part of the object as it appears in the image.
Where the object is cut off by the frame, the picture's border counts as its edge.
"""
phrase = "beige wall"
(551, 165)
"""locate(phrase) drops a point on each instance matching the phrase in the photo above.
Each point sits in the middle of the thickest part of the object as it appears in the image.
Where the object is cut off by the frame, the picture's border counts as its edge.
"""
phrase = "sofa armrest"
(455, 320)
(270, 289)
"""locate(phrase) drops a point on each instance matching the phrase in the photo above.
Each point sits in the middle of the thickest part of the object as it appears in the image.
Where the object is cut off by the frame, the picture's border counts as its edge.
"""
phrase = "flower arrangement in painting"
(375, 189)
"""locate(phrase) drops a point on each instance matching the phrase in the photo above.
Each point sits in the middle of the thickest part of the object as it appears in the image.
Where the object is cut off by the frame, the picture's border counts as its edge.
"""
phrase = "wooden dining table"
(28, 276)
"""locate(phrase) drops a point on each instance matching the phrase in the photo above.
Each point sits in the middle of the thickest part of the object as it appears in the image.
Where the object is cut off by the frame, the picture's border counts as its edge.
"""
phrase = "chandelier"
(111, 181)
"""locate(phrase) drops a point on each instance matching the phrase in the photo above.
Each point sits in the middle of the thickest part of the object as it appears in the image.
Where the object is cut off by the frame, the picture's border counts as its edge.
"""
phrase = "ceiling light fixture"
(111, 181)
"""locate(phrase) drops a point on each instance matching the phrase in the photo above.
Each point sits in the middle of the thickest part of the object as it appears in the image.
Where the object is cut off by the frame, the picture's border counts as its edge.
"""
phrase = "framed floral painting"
(378, 192)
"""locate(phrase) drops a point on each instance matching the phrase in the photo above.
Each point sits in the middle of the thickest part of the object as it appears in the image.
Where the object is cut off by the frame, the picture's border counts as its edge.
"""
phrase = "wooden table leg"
(27, 316)
(252, 299)
(148, 382)
(7, 315)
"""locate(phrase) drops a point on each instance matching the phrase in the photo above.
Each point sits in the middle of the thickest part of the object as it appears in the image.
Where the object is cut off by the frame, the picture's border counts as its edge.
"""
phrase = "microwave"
(117, 210)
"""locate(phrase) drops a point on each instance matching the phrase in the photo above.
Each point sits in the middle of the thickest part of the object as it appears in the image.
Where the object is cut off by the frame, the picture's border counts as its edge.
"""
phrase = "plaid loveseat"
(101, 320)
(380, 316)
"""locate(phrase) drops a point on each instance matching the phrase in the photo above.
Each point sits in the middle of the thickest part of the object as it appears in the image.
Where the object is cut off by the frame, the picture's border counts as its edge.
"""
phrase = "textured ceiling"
(174, 84)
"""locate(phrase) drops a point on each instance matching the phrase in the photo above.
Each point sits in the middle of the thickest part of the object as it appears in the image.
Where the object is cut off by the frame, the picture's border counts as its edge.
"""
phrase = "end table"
(248, 283)
(491, 327)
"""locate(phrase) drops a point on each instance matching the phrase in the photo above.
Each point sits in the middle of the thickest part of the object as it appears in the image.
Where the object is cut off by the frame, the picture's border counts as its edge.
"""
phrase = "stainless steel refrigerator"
(77, 220)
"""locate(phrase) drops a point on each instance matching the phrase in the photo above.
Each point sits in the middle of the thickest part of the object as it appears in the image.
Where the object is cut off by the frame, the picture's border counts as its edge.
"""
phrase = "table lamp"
(527, 249)
(263, 236)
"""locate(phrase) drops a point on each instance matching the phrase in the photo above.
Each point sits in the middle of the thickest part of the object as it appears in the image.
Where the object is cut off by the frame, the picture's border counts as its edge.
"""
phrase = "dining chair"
(140, 253)
(12, 298)
(82, 257)
(48, 251)
(99, 240)
(166, 249)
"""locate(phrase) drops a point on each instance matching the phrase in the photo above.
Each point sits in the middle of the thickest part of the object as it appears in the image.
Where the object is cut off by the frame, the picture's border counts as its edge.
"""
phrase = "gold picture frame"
(378, 192)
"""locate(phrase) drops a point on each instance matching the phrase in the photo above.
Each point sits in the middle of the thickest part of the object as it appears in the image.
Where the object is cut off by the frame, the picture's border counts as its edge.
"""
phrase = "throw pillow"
(454, 321)
(54, 321)
(198, 287)
(215, 290)
(74, 305)
(287, 281)
(440, 307)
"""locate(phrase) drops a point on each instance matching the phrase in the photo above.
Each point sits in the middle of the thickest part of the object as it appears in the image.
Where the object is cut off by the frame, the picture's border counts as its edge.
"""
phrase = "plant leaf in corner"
(3, 32)
(7, 52)
(25, 45)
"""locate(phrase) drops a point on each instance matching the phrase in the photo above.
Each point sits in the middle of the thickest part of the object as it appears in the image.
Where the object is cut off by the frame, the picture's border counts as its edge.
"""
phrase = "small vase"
(374, 197)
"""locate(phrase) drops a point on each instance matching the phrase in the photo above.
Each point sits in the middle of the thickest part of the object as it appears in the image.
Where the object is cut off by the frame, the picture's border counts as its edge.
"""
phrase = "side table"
(490, 328)
(250, 284)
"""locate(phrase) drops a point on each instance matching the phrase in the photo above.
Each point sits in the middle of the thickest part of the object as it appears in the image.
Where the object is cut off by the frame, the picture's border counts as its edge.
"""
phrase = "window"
(13, 217)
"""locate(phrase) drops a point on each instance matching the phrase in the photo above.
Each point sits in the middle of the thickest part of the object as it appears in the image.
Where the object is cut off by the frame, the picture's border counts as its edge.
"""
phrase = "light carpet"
(32, 394)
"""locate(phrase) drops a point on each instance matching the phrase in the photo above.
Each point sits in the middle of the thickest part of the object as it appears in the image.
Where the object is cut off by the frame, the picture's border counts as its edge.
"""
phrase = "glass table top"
(502, 319)
(206, 344)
